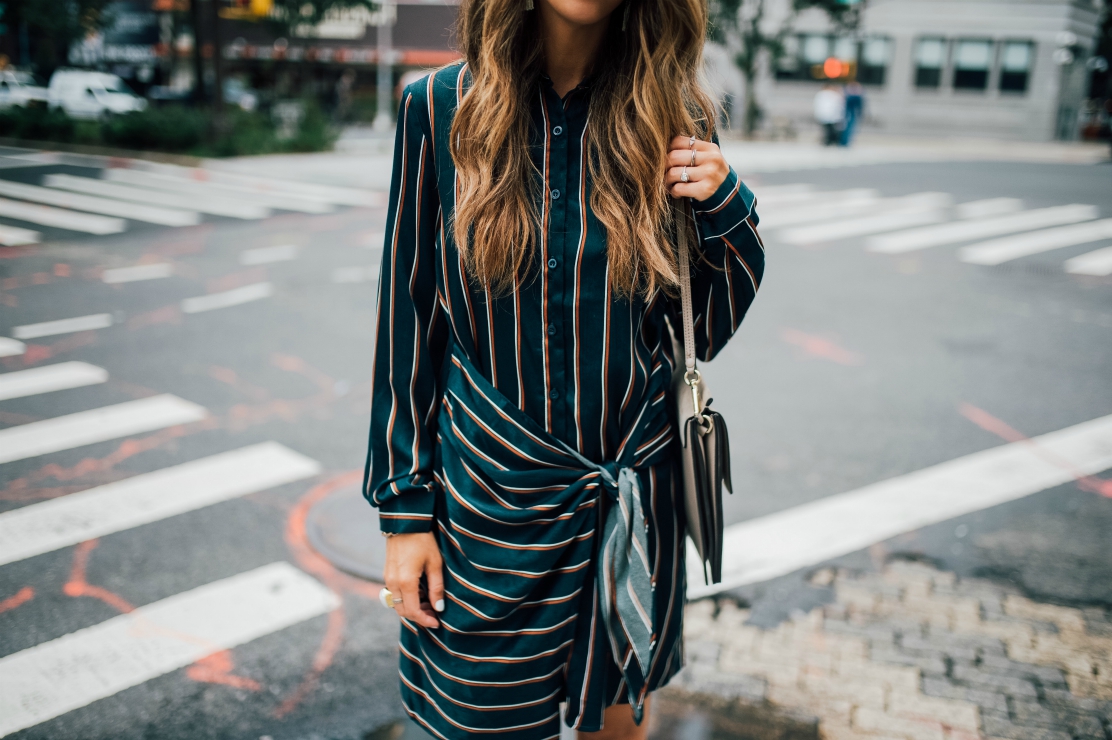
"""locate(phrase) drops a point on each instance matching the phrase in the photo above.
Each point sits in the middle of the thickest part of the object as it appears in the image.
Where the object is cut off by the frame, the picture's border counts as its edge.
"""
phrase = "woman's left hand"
(704, 177)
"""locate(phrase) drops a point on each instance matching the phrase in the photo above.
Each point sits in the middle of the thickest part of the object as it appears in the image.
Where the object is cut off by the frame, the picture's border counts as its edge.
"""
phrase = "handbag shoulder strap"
(684, 265)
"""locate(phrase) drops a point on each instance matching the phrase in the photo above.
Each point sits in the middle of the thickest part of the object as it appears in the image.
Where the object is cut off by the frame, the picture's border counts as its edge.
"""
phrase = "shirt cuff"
(411, 512)
(727, 209)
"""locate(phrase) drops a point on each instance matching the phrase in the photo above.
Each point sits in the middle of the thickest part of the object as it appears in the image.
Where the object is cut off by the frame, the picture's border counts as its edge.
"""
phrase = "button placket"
(560, 160)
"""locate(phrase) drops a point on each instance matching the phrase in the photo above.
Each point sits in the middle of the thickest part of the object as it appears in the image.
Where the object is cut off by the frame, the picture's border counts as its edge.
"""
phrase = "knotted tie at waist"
(624, 577)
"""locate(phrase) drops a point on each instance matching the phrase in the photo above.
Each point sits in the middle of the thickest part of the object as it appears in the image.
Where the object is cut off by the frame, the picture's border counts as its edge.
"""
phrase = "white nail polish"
(439, 605)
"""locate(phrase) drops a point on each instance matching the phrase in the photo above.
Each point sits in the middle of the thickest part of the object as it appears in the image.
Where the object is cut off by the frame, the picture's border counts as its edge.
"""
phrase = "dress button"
(552, 264)
(554, 395)
(557, 130)
(551, 329)
(555, 194)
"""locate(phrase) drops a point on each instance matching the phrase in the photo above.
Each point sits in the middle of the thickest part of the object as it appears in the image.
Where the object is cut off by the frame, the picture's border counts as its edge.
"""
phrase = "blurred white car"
(91, 95)
(19, 88)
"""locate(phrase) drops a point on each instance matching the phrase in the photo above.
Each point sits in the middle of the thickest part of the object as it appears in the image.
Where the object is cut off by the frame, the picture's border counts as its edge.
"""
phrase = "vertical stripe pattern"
(531, 433)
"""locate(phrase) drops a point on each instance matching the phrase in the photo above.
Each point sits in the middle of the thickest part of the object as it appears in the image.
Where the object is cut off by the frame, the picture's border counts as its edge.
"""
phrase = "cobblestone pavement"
(911, 653)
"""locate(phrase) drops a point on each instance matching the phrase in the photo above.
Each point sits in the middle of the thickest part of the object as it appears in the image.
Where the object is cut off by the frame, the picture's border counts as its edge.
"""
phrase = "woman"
(523, 360)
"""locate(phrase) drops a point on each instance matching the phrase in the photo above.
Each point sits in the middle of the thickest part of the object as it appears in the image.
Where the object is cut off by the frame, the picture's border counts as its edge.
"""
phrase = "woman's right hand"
(408, 556)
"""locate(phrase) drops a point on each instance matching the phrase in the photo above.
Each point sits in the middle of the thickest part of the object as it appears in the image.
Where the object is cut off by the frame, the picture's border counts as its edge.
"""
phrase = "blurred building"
(1002, 68)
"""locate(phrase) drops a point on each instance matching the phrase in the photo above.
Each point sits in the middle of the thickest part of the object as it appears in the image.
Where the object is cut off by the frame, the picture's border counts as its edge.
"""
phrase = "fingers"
(434, 574)
(407, 558)
(694, 174)
(684, 142)
(410, 608)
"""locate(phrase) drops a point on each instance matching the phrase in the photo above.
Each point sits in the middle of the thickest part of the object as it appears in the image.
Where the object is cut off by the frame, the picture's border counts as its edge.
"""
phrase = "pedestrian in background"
(854, 96)
(830, 112)
(344, 89)
(523, 361)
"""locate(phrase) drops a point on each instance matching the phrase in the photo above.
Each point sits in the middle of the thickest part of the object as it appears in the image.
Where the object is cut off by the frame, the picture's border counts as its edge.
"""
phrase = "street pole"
(218, 71)
(196, 17)
(384, 115)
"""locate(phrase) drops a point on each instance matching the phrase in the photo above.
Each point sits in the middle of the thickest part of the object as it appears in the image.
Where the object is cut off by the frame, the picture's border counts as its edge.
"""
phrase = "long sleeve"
(726, 276)
(411, 335)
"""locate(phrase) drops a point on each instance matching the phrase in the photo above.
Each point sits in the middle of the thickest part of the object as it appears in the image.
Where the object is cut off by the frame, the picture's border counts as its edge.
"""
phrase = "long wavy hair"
(646, 89)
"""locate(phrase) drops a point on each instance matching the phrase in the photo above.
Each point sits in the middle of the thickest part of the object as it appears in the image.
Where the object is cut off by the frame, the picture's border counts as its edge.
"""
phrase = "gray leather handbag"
(705, 452)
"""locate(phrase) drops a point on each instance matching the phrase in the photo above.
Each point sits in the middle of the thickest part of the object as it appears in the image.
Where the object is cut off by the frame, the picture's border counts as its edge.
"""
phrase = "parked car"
(92, 95)
(20, 88)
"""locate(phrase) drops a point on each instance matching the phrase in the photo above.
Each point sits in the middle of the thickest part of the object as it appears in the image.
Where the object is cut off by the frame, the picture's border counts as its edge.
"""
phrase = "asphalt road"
(852, 368)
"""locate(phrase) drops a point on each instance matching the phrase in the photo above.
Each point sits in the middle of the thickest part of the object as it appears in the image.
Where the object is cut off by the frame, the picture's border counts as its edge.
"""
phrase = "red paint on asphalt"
(1001, 429)
(78, 586)
(310, 561)
(820, 347)
(217, 668)
(19, 598)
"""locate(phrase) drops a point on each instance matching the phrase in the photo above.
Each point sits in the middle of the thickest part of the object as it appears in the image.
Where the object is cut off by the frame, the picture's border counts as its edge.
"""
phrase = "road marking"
(1098, 262)
(861, 226)
(233, 297)
(863, 207)
(358, 274)
(795, 199)
(806, 535)
(934, 236)
(96, 425)
(328, 193)
(150, 497)
(13, 236)
(11, 347)
(220, 206)
(63, 326)
(988, 207)
(209, 189)
(266, 255)
(60, 218)
(138, 272)
(106, 206)
(49, 378)
(1023, 245)
(75, 670)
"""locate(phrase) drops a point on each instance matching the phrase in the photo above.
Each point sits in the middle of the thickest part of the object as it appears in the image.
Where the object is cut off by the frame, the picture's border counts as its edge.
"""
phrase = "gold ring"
(692, 158)
(387, 599)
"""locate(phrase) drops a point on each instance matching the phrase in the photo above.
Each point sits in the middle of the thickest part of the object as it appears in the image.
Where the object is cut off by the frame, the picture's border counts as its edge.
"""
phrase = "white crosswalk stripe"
(55, 677)
(104, 206)
(233, 297)
(150, 497)
(11, 347)
(13, 236)
(979, 228)
(1098, 263)
(63, 326)
(1023, 245)
(153, 271)
(781, 543)
(61, 218)
(217, 206)
(97, 425)
(896, 213)
(266, 255)
(327, 193)
(62, 376)
(286, 201)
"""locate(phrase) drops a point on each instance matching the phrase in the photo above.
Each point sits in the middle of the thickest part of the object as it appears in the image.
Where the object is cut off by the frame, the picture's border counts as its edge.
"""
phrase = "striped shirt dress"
(532, 433)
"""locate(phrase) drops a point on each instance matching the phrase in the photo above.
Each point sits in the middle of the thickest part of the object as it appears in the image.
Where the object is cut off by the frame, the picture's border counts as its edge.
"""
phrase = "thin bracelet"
(391, 534)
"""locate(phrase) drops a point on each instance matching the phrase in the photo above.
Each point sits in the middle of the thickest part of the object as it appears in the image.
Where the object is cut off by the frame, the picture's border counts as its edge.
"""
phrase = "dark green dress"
(532, 433)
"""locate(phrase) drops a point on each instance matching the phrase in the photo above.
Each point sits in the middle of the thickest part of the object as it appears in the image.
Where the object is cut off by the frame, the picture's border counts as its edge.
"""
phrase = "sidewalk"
(911, 652)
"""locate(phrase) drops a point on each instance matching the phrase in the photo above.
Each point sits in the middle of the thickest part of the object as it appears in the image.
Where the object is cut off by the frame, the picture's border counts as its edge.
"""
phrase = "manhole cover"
(343, 528)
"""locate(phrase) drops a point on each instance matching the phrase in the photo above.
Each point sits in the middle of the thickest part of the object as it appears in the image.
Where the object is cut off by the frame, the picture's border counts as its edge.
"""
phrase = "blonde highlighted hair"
(645, 90)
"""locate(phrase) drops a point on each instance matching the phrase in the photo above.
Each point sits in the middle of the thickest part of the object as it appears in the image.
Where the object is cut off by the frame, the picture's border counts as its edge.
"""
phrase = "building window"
(872, 61)
(971, 63)
(813, 57)
(1015, 66)
(930, 55)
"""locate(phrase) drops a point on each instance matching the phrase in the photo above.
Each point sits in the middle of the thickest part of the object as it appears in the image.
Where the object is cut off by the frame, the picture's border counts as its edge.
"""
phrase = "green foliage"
(176, 129)
(170, 129)
(36, 122)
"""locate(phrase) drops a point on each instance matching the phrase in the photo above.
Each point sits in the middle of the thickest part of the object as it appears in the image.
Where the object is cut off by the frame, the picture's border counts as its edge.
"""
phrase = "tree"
(45, 29)
(744, 27)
